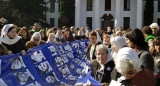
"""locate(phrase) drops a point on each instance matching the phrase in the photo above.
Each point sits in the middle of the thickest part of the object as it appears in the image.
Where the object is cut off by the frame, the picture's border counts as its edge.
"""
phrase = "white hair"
(101, 47)
(155, 25)
(127, 58)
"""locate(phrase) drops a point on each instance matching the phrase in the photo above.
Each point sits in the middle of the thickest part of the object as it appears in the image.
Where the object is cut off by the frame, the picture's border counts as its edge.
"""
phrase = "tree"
(148, 13)
(67, 12)
(24, 12)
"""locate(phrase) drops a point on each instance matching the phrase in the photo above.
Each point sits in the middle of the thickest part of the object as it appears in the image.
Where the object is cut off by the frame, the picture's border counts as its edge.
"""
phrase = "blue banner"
(48, 65)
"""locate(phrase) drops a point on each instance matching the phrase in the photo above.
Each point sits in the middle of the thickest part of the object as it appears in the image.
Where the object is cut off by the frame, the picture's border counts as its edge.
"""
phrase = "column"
(77, 14)
(139, 14)
(117, 14)
(97, 14)
(57, 14)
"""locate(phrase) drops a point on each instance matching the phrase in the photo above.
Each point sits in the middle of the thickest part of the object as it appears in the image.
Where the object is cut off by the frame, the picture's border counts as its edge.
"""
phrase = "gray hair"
(101, 47)
(155, 25)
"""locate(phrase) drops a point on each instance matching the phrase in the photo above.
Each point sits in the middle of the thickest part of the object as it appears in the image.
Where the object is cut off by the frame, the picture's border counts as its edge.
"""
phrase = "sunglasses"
(36, 39)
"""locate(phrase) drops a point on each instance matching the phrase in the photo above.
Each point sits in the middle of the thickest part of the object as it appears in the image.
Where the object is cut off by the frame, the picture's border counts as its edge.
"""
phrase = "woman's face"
(157, 48)
(67, 33)
(51, 38)
(42, 35)
(16, 64)
(50, 79)
(102, 56)
(106, 41)
(12, 33)
(43, 66)
(93, 39)
(130, 73)
(113, 47)
(23, 33)
(130, 44)
(36, 40)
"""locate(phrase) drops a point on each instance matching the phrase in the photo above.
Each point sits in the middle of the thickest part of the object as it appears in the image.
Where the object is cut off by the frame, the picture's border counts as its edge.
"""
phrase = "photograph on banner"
(72, 66)
(67, 48)
(60, 49)
(72, 78)
(17, 63)
(79, 71)
(2, 83)
(70, 55)
(52, 50)
(75, 45)
(59, 61)
(51, 78)
(34, 84)
(64, 57)
(83, 45)
(77, 61)
(64, 70)
(24, 76)
(44, 67)
(37, 56)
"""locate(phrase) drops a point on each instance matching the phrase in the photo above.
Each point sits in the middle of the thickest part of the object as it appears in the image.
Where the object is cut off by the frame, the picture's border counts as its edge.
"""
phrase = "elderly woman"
(35, 41)
(51, 38)
(102, 65)
(133, 74)
(155, 29)
(9, 38)
(95, 40)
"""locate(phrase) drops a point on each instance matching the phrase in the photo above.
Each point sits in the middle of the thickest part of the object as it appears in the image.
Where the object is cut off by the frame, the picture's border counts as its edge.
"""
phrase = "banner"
(48, 65)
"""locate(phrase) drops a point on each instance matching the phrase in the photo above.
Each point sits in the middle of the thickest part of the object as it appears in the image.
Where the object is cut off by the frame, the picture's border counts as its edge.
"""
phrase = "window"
(89, 22)
(52, 6)
(89, 5)
(107, 5)
(126, 23)
(158, 5)
(52, 22)
(158, 21)
(126, 5)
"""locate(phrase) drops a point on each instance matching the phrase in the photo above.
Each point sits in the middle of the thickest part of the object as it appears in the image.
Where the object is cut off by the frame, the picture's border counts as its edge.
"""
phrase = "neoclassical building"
(114, 13)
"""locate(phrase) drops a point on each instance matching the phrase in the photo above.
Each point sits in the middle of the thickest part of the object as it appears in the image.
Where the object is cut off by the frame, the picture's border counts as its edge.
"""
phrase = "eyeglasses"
(36, 39)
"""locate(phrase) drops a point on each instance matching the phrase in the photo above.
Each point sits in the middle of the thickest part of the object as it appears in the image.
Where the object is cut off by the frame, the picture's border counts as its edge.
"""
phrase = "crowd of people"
(130, 57)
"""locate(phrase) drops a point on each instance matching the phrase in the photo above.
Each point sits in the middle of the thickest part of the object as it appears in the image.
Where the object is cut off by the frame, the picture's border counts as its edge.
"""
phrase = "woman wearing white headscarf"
(9, 38)
(102, 64)
(130, 67)
(35, 41)
(116, 44)
(95, 40)
(51, 38)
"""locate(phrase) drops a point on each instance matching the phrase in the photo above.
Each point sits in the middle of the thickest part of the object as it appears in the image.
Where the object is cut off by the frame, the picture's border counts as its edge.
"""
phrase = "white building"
(114, 13)
(52, 14)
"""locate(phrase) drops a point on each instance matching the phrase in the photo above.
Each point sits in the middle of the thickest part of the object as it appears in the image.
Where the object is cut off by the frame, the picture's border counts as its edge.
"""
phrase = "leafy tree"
(24, 12)
(148, 12)
(67, 12)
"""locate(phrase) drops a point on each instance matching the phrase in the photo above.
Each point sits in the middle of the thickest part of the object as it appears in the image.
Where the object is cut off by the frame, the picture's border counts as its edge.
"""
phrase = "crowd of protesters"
(130, 57)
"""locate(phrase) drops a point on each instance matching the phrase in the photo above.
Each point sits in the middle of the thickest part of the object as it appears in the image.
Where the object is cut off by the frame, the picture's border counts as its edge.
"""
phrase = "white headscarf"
(48, 40)
(98, 37)
(36, 34)
(5, 39)
(127, 53)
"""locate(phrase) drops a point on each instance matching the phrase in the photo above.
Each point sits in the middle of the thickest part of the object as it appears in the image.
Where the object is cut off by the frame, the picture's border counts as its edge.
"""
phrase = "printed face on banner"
(75, 46)
(37, 56)
(71, 65)
(17, 63)
(2, 83)
(34, 84)
(72, 78)
(77, 61)
(60, 50)
(59, 61)
(53, 50)
(82, 44)
(64, 70)
(44, 67)
(51, 79)
(99, 76)
(67, 48)
(79, 71)
(64, 58)
(24, 77)
(70, 55)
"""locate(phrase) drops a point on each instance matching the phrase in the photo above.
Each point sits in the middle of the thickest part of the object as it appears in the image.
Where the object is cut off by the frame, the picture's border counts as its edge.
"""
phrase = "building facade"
(52, 15)
(114, 13)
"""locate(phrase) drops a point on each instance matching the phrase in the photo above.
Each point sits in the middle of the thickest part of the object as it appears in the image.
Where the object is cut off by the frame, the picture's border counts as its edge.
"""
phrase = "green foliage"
(148, 12)
(24, 12)
(67, 12)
